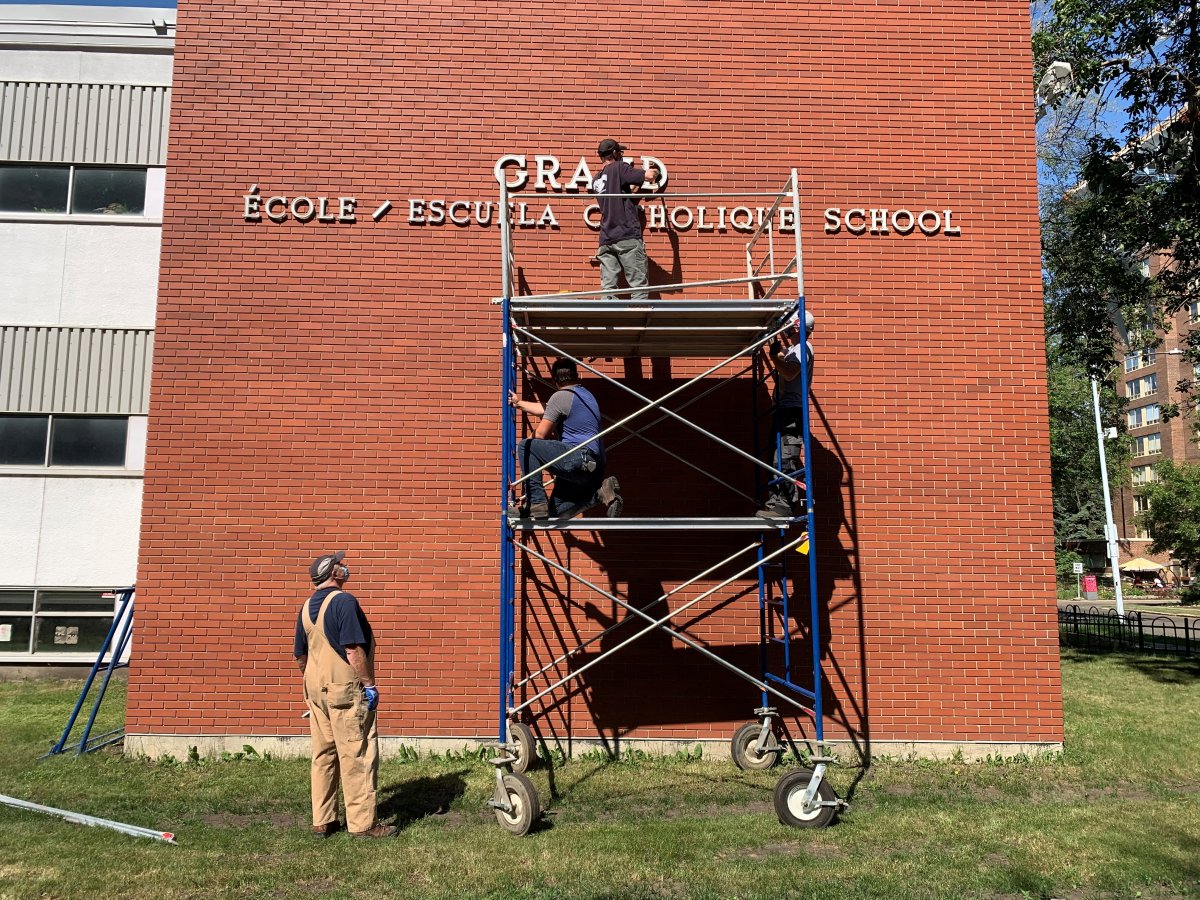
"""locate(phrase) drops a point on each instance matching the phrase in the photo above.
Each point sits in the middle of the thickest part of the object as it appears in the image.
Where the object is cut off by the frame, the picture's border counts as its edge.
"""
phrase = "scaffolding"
(674, 322)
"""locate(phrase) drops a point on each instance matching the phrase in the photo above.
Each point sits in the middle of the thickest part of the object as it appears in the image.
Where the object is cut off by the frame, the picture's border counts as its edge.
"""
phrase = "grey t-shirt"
(788, 394)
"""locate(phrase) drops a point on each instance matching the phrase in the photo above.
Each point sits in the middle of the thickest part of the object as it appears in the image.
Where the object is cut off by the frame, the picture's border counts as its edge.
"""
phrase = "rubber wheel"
(789, 799)
(526, 808)
(526, 752)
(744, 749)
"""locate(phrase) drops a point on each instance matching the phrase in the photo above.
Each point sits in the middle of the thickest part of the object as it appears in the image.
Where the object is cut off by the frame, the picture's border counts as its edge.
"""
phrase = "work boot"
(610, 496)
(378, 830)
(329, 829)
(775, 510)
(532, 510)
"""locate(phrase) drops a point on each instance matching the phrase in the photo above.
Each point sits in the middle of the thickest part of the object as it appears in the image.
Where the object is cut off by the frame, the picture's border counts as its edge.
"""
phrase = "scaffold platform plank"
(655, 327)
(599, 523)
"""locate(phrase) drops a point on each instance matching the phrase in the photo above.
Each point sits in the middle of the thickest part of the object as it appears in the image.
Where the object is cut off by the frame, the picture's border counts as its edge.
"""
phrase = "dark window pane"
(84, 441)
(86, 601)
(34, 188)
(70, 635)
(118, 192)
(14, 633)
(23, 440)
(21, 601)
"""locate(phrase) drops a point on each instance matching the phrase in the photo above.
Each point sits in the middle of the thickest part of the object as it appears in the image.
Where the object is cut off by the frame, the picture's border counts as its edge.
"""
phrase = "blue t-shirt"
(575, 410)
(345, 624)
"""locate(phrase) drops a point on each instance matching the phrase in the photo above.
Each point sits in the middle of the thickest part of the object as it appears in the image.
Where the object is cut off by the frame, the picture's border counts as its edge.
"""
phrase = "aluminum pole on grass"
(81, 819)
(1110, 528)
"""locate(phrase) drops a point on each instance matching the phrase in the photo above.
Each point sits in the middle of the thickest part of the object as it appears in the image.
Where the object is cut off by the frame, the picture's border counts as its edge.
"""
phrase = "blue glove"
(372, 695)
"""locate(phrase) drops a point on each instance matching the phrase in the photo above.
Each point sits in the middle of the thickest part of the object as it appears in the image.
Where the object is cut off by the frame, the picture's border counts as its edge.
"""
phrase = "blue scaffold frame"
(609, 326)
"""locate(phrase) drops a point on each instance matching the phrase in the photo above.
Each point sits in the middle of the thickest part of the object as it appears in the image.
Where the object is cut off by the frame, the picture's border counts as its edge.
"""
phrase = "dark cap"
(608, 146)
(323, 565)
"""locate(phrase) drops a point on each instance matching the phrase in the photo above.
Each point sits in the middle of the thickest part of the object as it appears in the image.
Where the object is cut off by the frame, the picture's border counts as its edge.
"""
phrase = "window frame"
(1141, 359)
(48, 446)
(1151, 379)
(147, 206)
(1141, 412)
(1142, 441)
(35, 614)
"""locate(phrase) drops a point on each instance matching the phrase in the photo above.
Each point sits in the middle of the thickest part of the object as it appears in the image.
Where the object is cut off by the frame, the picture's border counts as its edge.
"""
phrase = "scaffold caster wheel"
(746, 754)
(789, 801)
(525, 749)
(524, 806)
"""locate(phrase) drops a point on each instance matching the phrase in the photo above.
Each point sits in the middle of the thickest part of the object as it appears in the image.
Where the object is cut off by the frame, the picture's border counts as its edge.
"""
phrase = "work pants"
(345, 747)
(628, 257)
(575, 488)
(788, 455)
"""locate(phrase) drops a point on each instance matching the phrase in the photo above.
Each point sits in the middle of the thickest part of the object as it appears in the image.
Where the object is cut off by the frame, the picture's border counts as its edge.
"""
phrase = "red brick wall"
(320, 386)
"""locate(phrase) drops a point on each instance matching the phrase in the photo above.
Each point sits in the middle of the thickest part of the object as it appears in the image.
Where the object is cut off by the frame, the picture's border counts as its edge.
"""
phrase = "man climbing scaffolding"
(579, 481)
(784, 354)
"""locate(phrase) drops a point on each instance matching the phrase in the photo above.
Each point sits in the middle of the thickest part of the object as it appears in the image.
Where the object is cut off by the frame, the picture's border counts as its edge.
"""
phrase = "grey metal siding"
(114, 124)
(75, 370)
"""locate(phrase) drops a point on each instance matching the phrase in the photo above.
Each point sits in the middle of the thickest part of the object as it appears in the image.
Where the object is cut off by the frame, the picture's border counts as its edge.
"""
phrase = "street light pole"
(1110, 528)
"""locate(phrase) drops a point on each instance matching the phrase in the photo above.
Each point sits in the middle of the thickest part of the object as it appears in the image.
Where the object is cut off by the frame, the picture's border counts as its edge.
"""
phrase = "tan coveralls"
(344, 738)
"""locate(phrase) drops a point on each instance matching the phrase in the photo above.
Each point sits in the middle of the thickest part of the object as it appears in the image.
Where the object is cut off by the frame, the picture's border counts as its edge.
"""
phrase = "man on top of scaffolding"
(579, 481)
(790, 397)
(621, 244)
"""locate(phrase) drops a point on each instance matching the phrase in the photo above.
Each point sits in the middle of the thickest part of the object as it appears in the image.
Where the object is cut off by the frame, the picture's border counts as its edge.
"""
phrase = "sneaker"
(610, 496)
(379, 830)
(771, 511)
(327, 830)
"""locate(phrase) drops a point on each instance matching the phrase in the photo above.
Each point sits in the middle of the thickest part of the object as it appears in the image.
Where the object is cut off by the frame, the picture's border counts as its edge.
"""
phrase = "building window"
(1143, 416)
(1139, 359)
(1146, 386)
(50, 623)
(1147, 444)
(63, 440)
(1144, 474)
(1140, 533)
(1141, 503)
(80, 190)
(1194, 311)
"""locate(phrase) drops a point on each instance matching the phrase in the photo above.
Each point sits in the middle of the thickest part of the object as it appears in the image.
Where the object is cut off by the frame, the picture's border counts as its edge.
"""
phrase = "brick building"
(326, 373)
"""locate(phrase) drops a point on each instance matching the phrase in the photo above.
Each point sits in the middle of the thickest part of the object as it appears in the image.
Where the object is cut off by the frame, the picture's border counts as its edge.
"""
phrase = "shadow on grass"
(410, 801)
(1163, 669)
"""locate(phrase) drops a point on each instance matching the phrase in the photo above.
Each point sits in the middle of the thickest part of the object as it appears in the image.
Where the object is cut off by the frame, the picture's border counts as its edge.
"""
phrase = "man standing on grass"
(336, 652)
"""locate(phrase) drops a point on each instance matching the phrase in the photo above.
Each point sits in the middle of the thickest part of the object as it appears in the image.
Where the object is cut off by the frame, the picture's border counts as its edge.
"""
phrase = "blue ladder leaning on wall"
(117, 641)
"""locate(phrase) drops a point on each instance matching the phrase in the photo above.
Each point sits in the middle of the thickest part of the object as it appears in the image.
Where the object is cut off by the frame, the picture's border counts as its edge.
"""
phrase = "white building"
(84, 100)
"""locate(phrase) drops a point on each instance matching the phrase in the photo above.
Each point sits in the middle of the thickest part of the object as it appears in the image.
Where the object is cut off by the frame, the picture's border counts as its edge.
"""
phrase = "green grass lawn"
(1117, 815)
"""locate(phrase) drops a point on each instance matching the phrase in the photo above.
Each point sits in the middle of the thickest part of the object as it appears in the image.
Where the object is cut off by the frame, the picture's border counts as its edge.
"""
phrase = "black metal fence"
(1103, 629)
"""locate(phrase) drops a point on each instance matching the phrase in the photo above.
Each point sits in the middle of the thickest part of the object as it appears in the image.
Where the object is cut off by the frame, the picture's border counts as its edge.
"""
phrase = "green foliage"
(1114, 815)
(1139, 189)
(1064, 563)
(1074, 456)
(1173, 513)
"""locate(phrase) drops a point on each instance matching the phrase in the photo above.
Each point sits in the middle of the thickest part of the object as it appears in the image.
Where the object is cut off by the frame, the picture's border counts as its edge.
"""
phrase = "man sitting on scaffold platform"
(579, 481)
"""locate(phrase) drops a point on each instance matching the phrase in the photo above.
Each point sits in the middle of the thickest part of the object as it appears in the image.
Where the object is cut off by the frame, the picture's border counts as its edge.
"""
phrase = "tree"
(1138, 184)
(1074, 457)
(1173, 514)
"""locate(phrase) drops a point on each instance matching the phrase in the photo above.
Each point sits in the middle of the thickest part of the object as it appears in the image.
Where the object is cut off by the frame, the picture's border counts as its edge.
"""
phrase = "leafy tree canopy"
(1173, 514)
(1135, 63)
